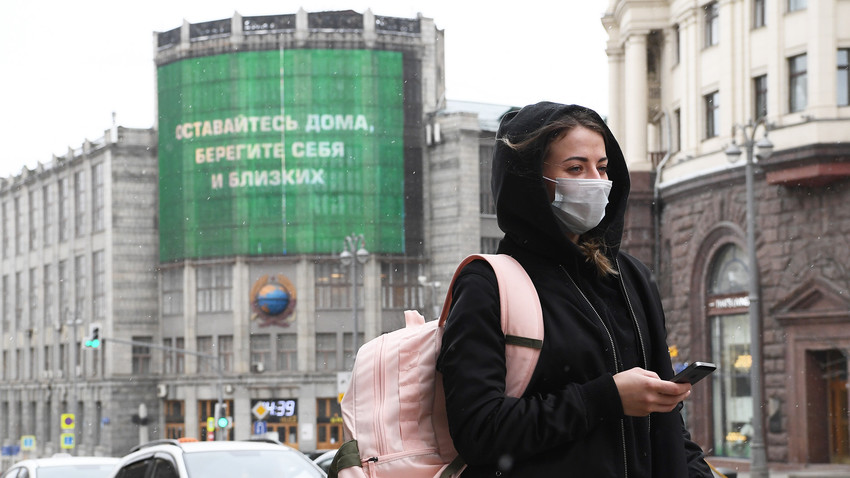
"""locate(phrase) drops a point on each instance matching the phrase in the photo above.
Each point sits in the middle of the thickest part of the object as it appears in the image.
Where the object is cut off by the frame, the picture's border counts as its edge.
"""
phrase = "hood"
(523, 208)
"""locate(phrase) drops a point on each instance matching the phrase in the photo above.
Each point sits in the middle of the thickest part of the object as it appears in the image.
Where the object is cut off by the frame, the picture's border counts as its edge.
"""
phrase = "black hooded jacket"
(570, 421)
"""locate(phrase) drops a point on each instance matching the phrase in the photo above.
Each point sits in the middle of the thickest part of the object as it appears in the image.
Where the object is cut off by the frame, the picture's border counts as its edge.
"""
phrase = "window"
(214, 288)
(173, 361)
(20, 238)
(180, 364)
(172, 292)
(63, 359)
(328, 423)
(333, 290)
(97, 198)
(287, 352)
(205, 346)
(326, 352)
(758, 14)
(64, 210)
(142, 356)
(712, 114)
(6, 229)
(7, 304)
(797, 73)
(225, 351)
(174, 419)
(348, 349)
(47, 198)
(400, 286)
(167, 357)
(485, 161)
(760, 96)
(843, 80)
(33, 218)
(48, 296)
(80, 285)
(261, 351)
(19, 301)
(33, 296)
(711, 24)
(489, 245)
(98, 267)
(46, 362)
(80, 203)
(64, 284)
(30, 373)
(730, 350)
(677, 130)
(794, 5)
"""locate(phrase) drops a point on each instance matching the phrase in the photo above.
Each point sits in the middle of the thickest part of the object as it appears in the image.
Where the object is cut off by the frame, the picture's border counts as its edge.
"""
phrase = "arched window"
(728, 307)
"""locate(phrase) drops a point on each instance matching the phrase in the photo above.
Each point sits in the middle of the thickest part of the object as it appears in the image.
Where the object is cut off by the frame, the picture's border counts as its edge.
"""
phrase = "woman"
(598, 404)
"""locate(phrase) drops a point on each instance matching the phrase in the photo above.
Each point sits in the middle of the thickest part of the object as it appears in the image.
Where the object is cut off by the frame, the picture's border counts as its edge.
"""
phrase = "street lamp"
(354, 247)
(435, 285)
(758, 466)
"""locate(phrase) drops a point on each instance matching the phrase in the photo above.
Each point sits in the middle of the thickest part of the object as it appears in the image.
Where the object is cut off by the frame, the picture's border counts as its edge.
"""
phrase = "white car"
(324, 460)
(63, 466)
(213, 459)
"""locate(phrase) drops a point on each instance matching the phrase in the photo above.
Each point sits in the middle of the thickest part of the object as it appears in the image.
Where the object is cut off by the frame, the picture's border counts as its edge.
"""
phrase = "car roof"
(206, 446)
(64, 460)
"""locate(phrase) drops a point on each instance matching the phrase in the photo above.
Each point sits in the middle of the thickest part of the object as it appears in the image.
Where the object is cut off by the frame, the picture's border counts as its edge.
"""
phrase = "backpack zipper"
(378, 393)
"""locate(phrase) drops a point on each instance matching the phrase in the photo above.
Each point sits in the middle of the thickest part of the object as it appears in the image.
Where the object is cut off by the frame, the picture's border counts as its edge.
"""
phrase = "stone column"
(821, 60)
(635, 94)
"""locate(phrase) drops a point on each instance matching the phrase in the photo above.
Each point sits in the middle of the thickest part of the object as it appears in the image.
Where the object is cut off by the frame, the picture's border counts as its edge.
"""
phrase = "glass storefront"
(730, 350)
(732, 400)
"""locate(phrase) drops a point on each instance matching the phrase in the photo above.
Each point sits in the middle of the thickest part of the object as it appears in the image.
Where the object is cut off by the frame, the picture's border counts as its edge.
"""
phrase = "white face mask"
(580, 203)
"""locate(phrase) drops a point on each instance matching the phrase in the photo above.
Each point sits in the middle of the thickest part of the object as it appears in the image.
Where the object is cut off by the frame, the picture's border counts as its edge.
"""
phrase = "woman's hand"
(642, 392)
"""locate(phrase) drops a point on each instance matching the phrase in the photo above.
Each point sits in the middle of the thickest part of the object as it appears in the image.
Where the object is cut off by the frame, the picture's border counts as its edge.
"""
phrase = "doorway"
(829, 425)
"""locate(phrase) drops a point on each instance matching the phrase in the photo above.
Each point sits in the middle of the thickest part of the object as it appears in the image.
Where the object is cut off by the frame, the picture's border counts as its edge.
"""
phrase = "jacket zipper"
(616, 362)
(608, 332)
(633, 317)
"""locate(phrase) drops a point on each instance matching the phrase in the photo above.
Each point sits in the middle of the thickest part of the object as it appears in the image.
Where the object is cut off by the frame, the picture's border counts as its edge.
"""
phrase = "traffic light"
(93, 339)
(221, 418)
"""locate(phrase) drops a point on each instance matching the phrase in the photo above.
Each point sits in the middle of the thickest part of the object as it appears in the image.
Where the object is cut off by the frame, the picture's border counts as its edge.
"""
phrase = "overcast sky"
(67, 66)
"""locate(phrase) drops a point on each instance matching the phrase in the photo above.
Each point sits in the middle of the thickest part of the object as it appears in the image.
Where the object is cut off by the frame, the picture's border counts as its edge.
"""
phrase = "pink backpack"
(394, 412)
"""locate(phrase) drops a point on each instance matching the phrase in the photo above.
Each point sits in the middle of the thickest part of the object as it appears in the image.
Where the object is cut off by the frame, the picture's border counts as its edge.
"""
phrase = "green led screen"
(280, 152)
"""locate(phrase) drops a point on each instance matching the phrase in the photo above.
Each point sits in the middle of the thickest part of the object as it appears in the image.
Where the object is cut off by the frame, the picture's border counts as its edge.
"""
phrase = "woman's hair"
(542, 137)
(535, 145)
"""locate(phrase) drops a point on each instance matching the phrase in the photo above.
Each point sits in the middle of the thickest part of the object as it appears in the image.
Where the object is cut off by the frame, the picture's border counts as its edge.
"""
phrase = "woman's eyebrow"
(583, 159)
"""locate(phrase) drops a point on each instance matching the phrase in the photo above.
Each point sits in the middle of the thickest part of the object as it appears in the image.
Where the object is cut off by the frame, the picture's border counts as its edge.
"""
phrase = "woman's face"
(578, 153)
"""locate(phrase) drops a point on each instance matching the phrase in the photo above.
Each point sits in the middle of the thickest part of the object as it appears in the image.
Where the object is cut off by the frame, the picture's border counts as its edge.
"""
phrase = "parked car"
(324, 460)
(63, 466)
(212, 459)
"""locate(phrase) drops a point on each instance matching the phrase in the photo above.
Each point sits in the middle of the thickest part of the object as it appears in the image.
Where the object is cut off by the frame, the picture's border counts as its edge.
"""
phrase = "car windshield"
(249, 464)
(75, 471)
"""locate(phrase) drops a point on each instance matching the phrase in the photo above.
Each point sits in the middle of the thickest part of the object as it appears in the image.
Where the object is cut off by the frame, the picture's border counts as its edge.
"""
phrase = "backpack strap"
(521, 317)
(347, 456)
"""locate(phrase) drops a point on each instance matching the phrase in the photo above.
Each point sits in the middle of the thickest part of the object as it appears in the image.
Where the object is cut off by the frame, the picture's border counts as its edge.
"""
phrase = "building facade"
(206, 250)
(688, 80)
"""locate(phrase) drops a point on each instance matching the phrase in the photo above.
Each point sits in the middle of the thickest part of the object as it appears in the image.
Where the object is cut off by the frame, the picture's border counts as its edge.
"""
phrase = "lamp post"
(434, 285)
(354, 247)
(758, 455)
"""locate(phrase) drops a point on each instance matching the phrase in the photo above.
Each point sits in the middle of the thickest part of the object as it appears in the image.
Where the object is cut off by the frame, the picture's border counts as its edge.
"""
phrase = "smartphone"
(694, 372)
